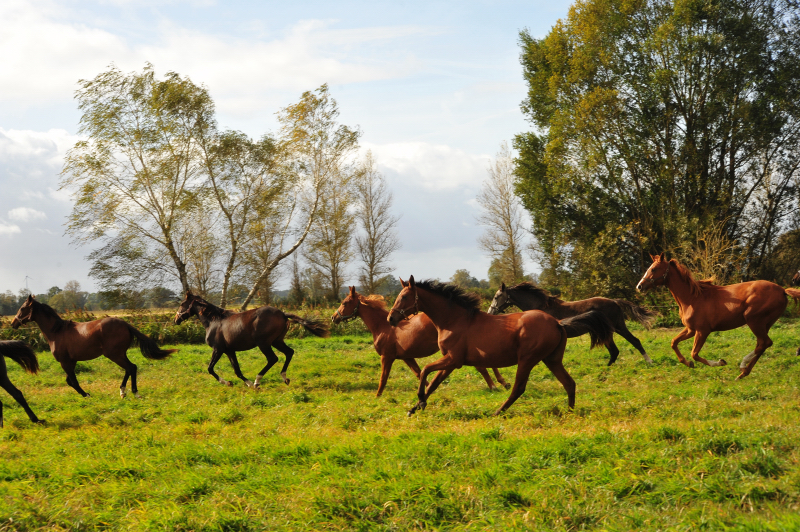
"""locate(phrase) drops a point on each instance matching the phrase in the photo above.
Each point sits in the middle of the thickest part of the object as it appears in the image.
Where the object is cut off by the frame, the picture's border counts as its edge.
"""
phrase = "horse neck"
(527, 300)
(374, 318)
(679, 288)
(46, 324)
(442, 313)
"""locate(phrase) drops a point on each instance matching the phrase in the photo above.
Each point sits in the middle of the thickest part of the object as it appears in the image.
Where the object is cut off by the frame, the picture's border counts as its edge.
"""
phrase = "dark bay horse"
(470, 337)
(20, 353)
(527, 296)
(72, 342)
(705, 307)
(228, 331)
(411, 339)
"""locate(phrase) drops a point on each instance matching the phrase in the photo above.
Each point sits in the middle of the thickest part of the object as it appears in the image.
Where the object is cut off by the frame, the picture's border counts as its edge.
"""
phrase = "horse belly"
(486, 359)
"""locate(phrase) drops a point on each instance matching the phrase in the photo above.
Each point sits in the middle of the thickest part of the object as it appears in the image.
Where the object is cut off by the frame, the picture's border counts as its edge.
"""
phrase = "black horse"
(228, 332)
(20, 353)
(527, 296)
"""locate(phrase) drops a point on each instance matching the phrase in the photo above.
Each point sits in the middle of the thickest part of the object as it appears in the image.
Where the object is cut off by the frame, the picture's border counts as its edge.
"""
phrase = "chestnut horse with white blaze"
(470, 337)
(72, 342)
(413, 338)
(705, 307)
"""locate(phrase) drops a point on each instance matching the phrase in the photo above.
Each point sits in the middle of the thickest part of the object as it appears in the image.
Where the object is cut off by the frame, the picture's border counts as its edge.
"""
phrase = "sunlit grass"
(647, 448)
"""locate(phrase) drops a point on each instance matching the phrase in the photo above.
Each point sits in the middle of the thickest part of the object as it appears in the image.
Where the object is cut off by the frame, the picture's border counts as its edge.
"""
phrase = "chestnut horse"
(470, 337)
(527, 296)
(72, 342)
(411, 339)
(228, 331)
(705, 307)
(20, 353)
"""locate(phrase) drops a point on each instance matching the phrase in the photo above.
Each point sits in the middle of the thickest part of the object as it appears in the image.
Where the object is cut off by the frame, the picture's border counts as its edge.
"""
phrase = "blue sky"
(434, 86)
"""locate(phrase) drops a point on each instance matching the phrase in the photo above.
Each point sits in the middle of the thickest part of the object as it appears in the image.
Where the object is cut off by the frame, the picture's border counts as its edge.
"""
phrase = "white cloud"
(9, 229)
(26, 214)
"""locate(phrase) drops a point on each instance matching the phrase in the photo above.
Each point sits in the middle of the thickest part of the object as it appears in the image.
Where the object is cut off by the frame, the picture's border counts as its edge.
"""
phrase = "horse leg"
(68, 365)
(485, 375)
(215, 356)
(130, 371)
(272, 358)
(500, 379)
(518, 388)
(763, 342)
(556, 367)
(444, 363)
(12, 390)
(236, 369)
(386, 367)
(288, 352)
(699, 341)
(625, 333)
(411, 363)
(685, 334)
(613, 350)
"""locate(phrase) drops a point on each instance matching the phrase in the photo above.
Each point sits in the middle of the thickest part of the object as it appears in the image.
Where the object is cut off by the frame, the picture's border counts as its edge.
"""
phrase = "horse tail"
(634, 312)
(794, 294)
(20, 353)
(148, 346)
(594, 322)
(317, 328)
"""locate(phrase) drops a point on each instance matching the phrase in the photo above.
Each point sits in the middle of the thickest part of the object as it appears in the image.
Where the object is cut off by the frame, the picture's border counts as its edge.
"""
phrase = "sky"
(435, 87)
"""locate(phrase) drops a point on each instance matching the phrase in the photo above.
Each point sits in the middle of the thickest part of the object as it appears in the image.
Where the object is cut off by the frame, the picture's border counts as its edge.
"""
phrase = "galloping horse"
(706, 307)
(527, 296)
(228, 331)
(411, 339)
(20, 353)
(470, 337)
(73, 342)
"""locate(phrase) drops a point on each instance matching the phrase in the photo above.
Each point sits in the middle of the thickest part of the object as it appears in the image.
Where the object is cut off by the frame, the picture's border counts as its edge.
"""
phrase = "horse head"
(656, 274)
(348, 310)
(406, 304)
(25, 313)
(500, 301)
(187, 308)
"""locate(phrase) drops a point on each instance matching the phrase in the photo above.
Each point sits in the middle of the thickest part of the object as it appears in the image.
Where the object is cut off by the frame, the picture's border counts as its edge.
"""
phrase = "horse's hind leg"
(763, 342)
(500, 379)
(623, 331)
(236, 369)
(130, 372)
(288, 352)
(613, 350)
(487, 378)
(68, 366)
(18, 397)
(555, 363)
(272, 358)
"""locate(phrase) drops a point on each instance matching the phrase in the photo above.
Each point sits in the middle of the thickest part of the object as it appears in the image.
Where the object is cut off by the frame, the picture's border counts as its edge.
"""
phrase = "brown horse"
(20, 353)
(72, 342)
(470, 337)
(527, 296)
(411, 339)
(228, 332)
(705, 307)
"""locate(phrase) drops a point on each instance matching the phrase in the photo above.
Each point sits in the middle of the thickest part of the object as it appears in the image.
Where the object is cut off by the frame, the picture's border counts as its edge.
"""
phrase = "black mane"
(532, 288)
(453, 293)
(48, 311)
(212, 311)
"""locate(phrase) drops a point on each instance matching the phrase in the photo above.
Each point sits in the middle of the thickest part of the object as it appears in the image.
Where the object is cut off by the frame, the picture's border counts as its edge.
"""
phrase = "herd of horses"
(427, 316)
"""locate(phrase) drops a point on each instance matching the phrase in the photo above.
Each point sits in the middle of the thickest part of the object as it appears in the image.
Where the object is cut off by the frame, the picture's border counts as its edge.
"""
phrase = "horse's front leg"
(685, 334)
(215, 356)
(444, 363)
(699, 341)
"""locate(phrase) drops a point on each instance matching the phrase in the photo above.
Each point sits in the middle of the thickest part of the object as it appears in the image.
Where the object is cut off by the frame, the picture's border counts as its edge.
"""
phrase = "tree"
(503, 217)
(464, 279)
(319, 151)
(378, 240)
(656, 119)
(70, 298)
(134, 176)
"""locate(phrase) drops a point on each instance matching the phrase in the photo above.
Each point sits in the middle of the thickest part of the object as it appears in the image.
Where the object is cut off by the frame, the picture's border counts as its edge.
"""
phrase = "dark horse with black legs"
(228, 332)
(526, 296)
(20, 353)
(470, 337)
(72, 342)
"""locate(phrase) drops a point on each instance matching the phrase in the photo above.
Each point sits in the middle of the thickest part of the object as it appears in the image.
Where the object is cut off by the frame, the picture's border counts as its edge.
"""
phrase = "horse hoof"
(507, 386)
(86, 395)
(122, 394)
(136, 395)
(410, 413)
(690, 363)
(41, 422)
(722, 362)
(741, 376)
(249, 384)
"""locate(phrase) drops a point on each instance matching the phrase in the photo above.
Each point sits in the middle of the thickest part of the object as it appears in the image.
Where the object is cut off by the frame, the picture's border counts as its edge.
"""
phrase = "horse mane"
(453, 293)
(212, 311)
(374, 301)
(696, 287)
(48, 311)
(529, 287)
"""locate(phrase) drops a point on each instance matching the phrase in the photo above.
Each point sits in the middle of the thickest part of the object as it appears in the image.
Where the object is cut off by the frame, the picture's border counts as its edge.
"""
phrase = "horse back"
(249, 329)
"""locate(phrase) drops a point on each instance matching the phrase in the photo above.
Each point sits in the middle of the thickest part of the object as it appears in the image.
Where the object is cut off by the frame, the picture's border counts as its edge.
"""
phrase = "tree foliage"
(656, 121)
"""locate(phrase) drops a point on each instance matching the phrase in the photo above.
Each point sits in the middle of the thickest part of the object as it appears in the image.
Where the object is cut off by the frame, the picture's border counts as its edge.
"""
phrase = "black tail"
(317, 328)
(148, 346)
(20, 353)
(636, 313)
(593, 322)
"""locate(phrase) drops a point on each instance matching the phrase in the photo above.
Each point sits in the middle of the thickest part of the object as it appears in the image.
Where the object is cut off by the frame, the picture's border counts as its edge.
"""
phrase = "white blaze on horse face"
(647, 276)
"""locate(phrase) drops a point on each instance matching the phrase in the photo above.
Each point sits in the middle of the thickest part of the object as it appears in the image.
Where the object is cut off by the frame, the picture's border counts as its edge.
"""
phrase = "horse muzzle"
(335, 319)
(15, 323)
(393, 318)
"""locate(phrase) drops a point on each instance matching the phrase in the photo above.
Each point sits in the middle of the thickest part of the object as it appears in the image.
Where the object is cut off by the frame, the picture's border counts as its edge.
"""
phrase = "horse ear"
(189, 293)
(411, 281)
(402, 282)
(652, 257)
(353, 291)
(502, 287)
(31, 297)
(662, 257)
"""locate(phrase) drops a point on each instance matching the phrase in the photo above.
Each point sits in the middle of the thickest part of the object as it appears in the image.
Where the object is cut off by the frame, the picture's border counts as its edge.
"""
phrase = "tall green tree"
(134, 177)
(655, 120)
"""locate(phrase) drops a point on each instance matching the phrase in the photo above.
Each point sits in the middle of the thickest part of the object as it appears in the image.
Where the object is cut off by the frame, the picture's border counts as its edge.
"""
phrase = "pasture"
(648, 448)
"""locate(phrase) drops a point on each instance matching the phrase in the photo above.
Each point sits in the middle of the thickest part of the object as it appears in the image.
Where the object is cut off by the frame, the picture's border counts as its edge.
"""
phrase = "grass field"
(647, 448)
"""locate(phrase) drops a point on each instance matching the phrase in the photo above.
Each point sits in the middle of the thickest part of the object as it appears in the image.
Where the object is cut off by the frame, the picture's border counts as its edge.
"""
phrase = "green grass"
(647, 448)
